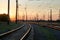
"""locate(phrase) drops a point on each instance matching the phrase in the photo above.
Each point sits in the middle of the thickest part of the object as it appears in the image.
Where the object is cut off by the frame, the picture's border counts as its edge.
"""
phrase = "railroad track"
(10, 31)
(54, 27)
(26, 34)
(23, 37)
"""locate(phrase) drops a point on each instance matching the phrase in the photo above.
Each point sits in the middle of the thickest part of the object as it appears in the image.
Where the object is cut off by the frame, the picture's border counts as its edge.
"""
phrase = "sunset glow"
(33, 7)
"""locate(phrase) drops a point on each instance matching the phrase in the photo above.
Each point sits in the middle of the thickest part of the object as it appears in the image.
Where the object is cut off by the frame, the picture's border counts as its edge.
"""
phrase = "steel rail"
(27, 33)
(10, 31)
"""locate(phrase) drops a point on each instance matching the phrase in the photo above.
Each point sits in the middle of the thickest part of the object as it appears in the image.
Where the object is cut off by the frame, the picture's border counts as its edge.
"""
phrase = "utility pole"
(43, 16)
(34, 18)
(59, 14)
(16, 10)
(37, 16)
(26, 13)
(51, 17)
(8, 11)
(50, 14)
(23, 17)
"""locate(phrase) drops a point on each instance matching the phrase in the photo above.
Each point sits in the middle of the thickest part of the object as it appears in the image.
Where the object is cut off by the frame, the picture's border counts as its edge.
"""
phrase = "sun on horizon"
(41, 7)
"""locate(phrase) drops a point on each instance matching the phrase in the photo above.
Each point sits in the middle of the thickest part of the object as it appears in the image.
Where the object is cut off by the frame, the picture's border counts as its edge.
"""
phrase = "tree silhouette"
(4, 17)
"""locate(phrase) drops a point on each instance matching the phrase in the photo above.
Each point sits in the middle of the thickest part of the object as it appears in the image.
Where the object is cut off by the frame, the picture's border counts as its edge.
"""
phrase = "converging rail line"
(54, 27)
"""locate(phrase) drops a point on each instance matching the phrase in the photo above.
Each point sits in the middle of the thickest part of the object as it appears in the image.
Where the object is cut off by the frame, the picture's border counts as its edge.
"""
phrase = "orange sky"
(33, 7)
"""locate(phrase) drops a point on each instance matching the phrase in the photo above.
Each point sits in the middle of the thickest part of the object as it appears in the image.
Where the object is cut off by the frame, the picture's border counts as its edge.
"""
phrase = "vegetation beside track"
(49, 35)
(4, 27)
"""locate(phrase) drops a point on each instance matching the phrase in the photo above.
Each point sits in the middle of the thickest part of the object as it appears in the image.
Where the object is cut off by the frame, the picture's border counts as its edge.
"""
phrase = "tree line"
(3, 17)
